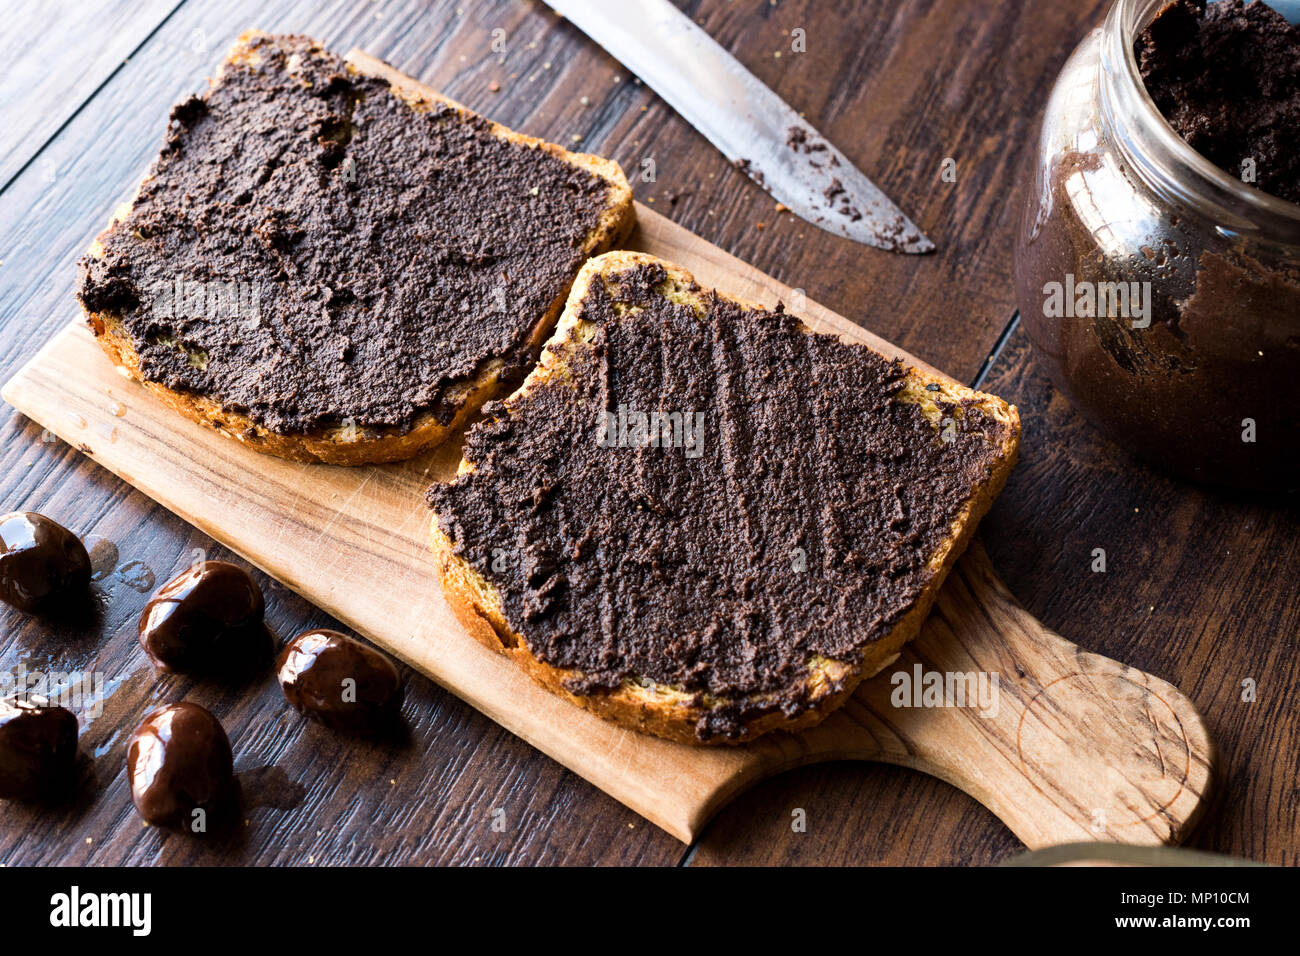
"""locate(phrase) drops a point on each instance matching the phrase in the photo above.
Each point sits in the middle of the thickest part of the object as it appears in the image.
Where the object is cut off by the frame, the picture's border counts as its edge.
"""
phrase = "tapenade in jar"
(1162, 290)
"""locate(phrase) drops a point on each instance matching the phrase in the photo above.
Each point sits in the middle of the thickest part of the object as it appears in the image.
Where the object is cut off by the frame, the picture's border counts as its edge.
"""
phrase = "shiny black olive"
(340, 682)
(38, 750)
(179, 763)
(42, 564)
(209, 617)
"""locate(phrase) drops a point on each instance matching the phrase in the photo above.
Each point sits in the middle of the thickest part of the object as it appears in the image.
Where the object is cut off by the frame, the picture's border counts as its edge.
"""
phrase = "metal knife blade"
(749, 123)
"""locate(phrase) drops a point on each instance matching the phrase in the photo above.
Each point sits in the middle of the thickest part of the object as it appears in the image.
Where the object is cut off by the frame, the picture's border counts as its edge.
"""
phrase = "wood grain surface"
(965, 79)
(49, 75)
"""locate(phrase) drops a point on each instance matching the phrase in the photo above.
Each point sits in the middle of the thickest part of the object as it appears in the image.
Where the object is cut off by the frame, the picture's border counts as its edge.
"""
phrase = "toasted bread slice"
(699, 642)
(194, 372)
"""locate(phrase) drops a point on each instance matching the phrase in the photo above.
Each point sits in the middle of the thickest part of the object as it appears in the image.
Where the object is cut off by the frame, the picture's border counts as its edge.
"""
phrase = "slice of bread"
(438, 400)
(669, 522)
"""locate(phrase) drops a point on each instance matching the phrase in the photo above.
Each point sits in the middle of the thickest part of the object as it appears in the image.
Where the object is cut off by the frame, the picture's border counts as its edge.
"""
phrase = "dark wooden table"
(1200, 586)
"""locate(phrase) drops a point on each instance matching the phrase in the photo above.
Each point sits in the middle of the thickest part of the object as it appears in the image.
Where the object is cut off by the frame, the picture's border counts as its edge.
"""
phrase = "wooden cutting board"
(1078, 747)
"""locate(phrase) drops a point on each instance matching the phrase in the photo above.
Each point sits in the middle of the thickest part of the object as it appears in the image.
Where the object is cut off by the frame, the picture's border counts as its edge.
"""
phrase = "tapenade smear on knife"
(312, 250)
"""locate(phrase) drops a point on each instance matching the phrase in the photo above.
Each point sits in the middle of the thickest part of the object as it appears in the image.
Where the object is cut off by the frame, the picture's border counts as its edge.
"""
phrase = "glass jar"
(1162, 292)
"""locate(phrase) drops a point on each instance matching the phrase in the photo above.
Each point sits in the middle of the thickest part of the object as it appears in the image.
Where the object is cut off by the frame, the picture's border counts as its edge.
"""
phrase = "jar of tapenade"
(1162, 291)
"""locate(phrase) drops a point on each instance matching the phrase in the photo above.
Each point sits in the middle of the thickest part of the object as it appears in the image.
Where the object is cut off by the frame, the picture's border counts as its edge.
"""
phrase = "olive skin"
(209, 617)
(340, 682)
(38, 750)
(178, 761)
(43, 565)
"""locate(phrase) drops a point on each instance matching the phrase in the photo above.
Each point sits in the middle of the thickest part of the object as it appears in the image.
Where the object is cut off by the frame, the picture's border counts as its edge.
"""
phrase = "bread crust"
(359, 446)
(653, 708)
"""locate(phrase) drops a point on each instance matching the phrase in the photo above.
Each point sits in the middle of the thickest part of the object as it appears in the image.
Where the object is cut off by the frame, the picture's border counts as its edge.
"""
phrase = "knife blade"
(751, 125)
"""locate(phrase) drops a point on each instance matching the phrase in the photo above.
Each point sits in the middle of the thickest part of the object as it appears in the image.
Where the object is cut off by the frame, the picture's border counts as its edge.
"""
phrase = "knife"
(749, 123)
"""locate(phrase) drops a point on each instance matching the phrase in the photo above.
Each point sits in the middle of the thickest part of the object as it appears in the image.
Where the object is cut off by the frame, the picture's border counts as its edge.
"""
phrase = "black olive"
(209, 617)
(339, 681)
(38, 750)
(178, 763)
(42, 563)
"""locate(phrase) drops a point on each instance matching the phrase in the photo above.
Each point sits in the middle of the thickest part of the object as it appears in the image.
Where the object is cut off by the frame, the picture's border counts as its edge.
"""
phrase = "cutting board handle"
(1061, 744)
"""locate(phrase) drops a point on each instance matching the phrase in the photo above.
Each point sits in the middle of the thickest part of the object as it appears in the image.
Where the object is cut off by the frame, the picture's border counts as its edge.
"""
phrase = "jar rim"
(1162, 153)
